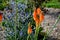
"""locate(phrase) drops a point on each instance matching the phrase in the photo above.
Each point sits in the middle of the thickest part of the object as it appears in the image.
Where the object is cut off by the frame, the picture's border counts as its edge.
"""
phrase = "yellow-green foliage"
(52, 3)
(2, 4)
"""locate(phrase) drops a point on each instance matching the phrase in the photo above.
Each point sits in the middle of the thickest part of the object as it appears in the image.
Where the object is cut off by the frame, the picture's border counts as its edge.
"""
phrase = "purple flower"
(27, 14)
(1, 29)
(9, 17)
(21, 33)
(11, 33)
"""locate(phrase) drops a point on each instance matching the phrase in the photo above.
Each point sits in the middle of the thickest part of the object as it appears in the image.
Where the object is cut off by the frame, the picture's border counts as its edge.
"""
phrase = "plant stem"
(0, 23)
(28, 37)
(15, 21)
(15, 32)
(36, 32)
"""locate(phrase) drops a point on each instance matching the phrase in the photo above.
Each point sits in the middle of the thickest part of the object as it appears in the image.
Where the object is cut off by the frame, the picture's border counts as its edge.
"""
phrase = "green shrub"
(2, 4)
(53, 4)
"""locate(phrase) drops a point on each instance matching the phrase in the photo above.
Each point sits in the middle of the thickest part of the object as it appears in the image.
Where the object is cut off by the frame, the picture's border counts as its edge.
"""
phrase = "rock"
(2, 35)
(49, 21)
